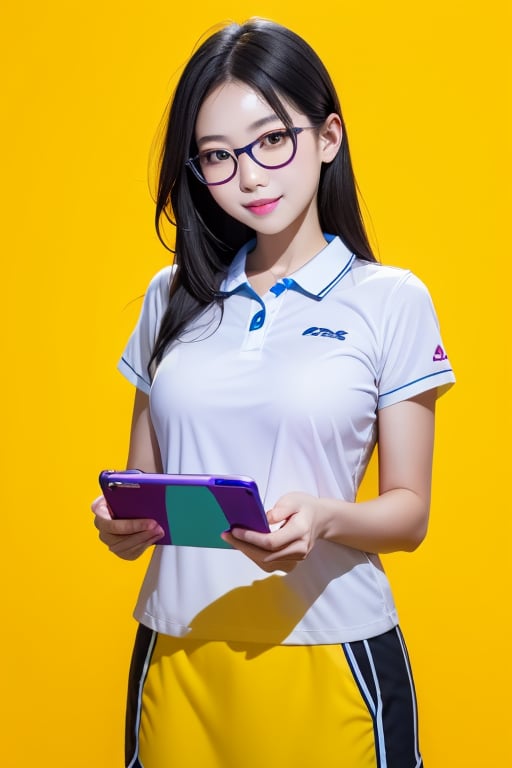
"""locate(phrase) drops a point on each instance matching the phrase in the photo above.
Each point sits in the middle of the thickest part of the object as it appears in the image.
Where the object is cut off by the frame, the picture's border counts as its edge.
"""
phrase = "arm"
(130, 538)
(396, 520)
(144, 452)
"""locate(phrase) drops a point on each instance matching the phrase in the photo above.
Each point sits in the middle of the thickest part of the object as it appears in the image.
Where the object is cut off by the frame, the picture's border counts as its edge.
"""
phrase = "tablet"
(193, 510)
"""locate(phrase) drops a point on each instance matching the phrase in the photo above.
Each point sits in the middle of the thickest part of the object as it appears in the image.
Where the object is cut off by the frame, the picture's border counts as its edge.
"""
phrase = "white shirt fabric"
(285, 389)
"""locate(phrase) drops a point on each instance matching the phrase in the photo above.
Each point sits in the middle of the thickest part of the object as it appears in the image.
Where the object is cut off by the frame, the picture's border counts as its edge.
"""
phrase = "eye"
(214, 156)
(274, 138)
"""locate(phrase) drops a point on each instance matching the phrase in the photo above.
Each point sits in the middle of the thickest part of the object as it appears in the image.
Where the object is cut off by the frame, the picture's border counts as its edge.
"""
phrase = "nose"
(250, 174)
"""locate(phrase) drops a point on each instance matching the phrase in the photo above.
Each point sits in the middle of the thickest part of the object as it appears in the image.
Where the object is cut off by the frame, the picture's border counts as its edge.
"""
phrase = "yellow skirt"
(209, 704)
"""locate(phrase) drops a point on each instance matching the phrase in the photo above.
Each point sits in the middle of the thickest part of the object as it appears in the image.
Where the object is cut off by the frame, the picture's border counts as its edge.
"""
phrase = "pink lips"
(262, 207)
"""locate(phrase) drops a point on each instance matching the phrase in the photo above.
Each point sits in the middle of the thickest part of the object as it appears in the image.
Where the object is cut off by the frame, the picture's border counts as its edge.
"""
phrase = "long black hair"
(282, 67)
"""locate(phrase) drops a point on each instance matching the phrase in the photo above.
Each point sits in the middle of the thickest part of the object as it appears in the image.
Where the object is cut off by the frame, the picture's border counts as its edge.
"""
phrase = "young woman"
(275, 347)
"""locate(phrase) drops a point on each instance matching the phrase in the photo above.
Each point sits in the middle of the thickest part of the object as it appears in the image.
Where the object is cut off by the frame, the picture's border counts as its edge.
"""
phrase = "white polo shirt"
(283, 388)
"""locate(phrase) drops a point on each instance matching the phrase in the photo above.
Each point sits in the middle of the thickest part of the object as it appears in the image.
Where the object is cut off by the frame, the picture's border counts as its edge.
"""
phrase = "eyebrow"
(253, 126)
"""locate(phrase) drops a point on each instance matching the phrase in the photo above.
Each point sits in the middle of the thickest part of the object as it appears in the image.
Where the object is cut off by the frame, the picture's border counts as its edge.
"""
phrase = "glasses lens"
(275, 149)
(216, 166)
(272, 150)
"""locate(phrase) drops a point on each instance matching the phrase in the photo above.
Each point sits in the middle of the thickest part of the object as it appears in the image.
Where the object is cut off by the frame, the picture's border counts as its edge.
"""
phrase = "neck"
(280, 256)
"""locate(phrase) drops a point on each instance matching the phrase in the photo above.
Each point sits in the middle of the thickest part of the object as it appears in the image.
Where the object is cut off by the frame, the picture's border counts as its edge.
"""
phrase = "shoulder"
(387, 281)
(156, 297)
(161, 281)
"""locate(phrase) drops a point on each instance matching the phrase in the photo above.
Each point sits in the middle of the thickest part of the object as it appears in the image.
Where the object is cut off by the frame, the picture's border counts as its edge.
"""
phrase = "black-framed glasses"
(219, 165)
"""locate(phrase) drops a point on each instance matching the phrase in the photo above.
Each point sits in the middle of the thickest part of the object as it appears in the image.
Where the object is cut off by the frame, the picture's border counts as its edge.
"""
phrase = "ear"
(331, 136)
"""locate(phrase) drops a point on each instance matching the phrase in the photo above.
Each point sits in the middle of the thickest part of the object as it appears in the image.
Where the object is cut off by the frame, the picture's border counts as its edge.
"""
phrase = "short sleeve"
(136, 356)
(414, 358)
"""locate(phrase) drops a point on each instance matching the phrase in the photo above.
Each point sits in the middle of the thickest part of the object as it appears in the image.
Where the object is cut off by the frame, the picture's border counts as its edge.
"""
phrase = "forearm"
(396, 520)
(130, 538)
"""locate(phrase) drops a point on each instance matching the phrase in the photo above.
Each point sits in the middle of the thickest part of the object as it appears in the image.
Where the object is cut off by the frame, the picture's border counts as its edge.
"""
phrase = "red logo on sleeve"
(439, 354)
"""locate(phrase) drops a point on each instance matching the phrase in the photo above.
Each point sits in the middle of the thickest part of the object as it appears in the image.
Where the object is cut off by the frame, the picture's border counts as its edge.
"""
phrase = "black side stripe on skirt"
(141, 658)
(383, 674)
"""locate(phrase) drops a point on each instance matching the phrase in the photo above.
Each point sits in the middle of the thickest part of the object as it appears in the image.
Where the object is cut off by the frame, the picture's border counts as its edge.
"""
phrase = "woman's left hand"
(300, 517)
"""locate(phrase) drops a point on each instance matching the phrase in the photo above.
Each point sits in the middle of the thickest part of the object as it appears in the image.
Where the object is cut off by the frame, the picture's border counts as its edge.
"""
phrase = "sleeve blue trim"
(448, 379)
(133, 377)
(415, 381)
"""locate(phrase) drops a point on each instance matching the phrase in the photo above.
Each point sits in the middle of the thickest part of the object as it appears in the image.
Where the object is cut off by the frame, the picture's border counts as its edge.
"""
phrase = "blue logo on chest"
(314, 331)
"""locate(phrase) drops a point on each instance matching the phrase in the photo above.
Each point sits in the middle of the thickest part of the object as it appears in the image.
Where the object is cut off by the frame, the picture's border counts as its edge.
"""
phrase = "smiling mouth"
(262, 207)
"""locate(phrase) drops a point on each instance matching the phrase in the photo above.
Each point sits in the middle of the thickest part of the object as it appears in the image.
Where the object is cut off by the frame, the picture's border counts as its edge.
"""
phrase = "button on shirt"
(283, 388)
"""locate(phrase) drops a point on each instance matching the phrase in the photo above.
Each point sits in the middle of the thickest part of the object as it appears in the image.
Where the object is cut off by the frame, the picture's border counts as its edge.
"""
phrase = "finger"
(271, 542)
(264, 561)
(100, 508)
(279, 514)
(130, 547)
(127, 527)
(254, 551)
(129, 553)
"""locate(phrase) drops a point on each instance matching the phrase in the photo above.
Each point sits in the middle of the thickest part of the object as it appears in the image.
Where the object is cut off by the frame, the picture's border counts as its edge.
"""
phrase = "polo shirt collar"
(315, 279)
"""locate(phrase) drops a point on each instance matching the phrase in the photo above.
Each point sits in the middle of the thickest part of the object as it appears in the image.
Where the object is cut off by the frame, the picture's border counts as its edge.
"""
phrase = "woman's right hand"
(125, 538)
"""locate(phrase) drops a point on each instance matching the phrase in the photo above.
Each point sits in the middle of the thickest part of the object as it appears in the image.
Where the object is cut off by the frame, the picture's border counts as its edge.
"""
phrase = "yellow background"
(425, 89)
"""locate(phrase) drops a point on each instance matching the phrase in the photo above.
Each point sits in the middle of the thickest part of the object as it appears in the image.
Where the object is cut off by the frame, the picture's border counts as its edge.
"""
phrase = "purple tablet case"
(193, 510)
